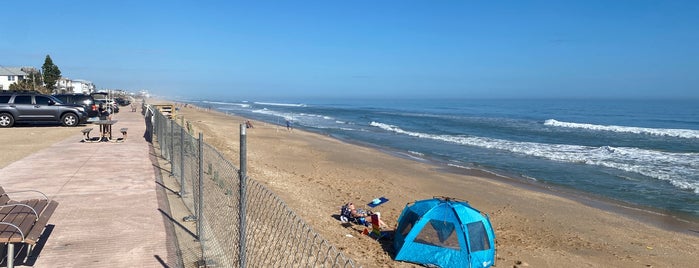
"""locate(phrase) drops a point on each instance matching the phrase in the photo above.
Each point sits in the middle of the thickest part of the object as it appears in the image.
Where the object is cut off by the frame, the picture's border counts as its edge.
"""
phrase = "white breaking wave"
(244, 105)
(286, 116)
(675, 168)
(679, 133)
(281, 104)
(312, 120)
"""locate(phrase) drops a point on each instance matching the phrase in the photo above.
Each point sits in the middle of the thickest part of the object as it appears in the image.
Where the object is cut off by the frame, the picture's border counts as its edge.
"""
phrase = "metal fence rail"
(210, 187)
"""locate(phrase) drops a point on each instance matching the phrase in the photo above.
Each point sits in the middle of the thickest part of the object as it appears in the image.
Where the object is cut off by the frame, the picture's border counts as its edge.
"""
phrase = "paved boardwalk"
(108, 213)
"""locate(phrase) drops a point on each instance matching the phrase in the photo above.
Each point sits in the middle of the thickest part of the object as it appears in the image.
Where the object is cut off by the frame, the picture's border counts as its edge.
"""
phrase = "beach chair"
(376, 227)
(346, 216)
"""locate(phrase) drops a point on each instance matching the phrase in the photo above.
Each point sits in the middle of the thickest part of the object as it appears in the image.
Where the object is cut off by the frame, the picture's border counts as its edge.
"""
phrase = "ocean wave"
(281, 104)
(307, 119)
(679, 169)
(679, 133)
(285, 115)
(244, 105)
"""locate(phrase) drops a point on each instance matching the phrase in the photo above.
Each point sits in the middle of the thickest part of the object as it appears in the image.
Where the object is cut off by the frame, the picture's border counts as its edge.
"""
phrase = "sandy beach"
(314, 174)
(535, 226)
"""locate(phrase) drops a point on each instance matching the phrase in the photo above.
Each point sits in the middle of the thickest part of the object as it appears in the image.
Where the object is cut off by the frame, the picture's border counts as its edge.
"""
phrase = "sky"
(364, 48)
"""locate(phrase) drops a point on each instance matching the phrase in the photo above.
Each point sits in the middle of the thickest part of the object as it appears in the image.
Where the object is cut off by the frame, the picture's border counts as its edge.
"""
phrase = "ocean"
(644, 153)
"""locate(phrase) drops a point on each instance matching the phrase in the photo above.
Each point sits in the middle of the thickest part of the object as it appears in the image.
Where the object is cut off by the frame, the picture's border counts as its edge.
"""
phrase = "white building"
(65, 85)
(10, 75)
(83, 86)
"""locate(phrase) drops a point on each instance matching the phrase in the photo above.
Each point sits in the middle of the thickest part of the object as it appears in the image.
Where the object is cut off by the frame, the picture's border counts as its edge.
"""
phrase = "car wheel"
(69, 120)
(6, 120)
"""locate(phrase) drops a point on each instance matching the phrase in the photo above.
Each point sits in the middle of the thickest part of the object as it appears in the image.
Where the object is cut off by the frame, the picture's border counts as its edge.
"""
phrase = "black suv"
(82, 99)
(28, 107)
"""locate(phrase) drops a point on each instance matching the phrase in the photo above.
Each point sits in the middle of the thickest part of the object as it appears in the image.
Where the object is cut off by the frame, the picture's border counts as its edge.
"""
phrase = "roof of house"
(6, 71)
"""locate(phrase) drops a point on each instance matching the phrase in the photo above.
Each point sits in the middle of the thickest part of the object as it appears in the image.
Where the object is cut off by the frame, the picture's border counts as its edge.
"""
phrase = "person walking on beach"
(288, 125)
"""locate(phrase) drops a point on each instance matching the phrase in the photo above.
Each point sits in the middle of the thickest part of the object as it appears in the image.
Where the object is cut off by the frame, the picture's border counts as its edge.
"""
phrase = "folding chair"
(376, 227)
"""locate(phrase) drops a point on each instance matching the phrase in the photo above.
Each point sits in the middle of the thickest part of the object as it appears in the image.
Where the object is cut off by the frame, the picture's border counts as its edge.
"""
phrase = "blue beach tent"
(446, 233)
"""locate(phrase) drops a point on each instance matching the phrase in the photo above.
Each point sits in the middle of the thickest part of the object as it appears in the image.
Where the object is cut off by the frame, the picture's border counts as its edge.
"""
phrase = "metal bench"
(23, 221)
(86, 134)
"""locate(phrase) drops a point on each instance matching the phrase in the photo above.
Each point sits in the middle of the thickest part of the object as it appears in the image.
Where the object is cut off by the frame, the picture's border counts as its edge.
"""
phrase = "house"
(11, 75)
(83, 86)
(65, 85)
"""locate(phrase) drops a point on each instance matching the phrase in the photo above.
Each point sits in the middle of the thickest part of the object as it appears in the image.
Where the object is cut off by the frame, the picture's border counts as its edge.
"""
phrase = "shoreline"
(534, 224)
(665, 219)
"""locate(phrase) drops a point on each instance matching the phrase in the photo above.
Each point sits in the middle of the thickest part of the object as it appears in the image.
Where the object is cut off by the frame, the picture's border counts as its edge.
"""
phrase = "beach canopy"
(446, 233)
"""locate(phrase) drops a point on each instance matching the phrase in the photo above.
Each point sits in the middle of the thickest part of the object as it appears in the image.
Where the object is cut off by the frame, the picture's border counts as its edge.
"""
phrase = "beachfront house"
(66, 85)
(11, 75)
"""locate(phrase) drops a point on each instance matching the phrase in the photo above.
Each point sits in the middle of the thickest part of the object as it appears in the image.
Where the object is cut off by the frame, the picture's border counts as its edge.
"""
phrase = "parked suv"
(82, 99)
(28, 107)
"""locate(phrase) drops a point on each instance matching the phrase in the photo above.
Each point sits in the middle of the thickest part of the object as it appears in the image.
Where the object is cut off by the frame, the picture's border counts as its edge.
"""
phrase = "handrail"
(20, 204)
(25, 191)
(20, 230)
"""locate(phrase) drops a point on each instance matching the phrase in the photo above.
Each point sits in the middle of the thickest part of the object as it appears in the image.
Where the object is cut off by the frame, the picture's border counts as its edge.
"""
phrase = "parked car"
(122, 101)
(82, 99)
(33, 107)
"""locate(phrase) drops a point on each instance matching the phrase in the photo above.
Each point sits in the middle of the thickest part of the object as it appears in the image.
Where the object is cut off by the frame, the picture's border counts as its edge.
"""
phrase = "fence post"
(242, 180)
(200, 206)
(172, 146)
(182, 143)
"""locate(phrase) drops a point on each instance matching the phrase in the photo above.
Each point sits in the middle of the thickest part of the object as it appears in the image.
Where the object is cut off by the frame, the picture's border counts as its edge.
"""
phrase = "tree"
(51, 73)
(31, 82)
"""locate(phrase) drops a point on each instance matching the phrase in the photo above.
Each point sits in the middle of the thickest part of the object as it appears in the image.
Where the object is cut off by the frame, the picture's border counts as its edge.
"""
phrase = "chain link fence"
(259, 230)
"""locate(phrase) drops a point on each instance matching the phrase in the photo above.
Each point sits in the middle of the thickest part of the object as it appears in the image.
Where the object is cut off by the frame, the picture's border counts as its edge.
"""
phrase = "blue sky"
(305, 49)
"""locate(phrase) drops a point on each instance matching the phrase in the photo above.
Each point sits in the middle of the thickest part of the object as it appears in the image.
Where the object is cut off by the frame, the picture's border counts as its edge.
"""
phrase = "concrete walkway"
(108, 213)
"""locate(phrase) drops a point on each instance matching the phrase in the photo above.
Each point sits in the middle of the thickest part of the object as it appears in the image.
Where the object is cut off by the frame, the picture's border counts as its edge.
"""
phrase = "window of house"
(10, 78)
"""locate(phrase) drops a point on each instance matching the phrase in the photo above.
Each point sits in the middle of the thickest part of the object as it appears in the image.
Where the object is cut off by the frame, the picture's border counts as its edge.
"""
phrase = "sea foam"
(679, 169)
(281, 104)
(679, 133)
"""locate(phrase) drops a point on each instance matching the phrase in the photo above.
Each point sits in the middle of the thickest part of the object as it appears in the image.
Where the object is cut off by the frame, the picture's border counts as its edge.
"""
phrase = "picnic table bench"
(123, 133)
(23, 221)
(105, 132)
(86, 134)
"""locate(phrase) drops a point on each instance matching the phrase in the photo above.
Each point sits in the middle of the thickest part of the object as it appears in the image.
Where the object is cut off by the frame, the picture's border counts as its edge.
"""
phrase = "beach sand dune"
(535, 226)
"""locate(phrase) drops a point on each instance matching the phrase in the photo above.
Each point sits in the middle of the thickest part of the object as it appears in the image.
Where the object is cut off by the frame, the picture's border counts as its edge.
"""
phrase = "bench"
(123, 133)
(23, 221)
(86, 134)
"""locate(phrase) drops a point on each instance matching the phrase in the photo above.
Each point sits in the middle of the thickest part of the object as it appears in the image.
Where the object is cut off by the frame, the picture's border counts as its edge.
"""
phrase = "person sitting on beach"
(248, 124)
(359, 216)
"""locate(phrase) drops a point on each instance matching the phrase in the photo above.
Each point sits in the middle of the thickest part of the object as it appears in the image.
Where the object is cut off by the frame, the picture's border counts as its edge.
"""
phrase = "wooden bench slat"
(3, 197)
(33, 236)
(17, 217)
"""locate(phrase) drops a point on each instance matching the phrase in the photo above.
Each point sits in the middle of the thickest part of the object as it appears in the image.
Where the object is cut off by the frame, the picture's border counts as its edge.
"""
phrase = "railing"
(210, 187)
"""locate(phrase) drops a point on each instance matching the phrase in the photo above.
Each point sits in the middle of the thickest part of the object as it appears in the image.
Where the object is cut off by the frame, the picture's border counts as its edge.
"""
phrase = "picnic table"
(105, 128)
